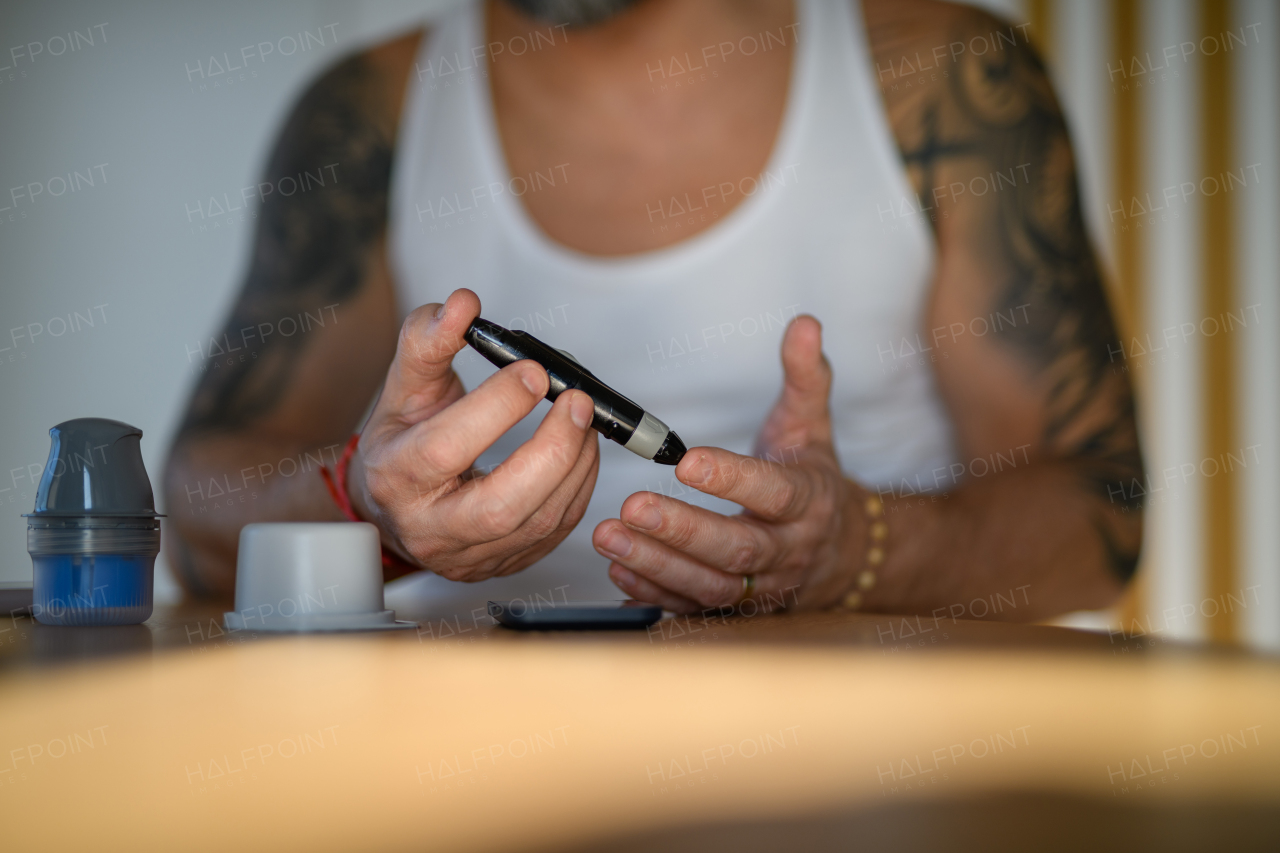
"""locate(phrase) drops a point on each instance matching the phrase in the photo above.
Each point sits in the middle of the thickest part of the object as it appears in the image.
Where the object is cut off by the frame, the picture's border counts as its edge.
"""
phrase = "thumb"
(421, 380)
(802, 415)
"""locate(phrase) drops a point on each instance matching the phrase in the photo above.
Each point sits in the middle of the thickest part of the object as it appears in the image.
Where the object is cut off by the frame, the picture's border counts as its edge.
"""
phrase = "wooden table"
(797, 731)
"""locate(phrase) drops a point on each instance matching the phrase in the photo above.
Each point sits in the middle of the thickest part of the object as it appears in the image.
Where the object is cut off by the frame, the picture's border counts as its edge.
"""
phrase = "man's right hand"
(412, 473)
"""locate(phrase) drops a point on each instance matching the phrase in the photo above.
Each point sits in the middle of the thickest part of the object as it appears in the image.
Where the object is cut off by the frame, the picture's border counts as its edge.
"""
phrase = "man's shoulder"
(921, 25)
(933, 57)
(926, 41)
(367, 85)
(393, 57)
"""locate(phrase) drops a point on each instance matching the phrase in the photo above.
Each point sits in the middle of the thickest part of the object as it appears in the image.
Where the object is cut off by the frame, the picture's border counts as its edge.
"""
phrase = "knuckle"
(378, 487)
(724, 595)
(416, 343)
(511, 399)
(542, 525)
(438, 454)
(781, 497)
(742, 557)
(453, 573)
(495, 520)
(823, 504)
(416, 319)
(677, 529)
(557, 455)
(411, 333)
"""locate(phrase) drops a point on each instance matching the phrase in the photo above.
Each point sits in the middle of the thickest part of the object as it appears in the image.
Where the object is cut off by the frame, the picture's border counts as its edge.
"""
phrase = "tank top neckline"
(646, 265)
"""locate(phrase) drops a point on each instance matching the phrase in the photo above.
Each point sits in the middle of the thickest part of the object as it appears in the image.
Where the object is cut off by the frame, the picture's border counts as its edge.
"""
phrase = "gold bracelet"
(878, 533)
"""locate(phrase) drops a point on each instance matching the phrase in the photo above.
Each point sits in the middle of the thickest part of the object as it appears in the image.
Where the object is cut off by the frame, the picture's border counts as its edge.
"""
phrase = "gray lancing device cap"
(95, 469)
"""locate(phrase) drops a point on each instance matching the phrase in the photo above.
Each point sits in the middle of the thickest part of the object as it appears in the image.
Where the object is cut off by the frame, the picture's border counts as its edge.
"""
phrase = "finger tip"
(532, 375)
(805, 330)
(635, 500)
(622, 576)
(464, 298)
(602, 530)
(581, 407)
(695, 468)
(455, 315)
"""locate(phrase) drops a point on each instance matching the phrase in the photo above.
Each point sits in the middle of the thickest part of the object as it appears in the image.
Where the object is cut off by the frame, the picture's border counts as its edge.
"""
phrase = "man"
(662, 188)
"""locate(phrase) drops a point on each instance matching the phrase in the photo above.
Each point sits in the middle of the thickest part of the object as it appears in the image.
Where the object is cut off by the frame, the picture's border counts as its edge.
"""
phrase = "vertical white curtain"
(1165, 224)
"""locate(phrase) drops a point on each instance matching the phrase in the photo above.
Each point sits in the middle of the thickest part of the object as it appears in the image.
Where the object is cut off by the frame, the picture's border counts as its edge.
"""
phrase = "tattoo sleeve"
(994, 118)
(311, 249)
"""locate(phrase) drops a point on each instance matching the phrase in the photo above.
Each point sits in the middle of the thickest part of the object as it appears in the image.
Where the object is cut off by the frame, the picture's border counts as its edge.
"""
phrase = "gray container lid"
(95, 469)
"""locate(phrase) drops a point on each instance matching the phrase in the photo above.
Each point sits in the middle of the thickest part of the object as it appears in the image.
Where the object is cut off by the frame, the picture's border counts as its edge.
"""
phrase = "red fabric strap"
(338, 489)
(393, 566)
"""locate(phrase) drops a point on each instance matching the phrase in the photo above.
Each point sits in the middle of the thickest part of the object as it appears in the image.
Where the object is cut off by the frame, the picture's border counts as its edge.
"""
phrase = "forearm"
(215, 486)
(1037, 536)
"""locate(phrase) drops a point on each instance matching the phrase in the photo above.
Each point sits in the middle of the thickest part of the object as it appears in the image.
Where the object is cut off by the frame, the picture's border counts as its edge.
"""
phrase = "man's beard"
(572, 13)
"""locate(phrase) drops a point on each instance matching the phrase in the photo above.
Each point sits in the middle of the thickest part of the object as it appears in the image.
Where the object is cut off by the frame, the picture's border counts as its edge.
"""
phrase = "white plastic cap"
(311, 576)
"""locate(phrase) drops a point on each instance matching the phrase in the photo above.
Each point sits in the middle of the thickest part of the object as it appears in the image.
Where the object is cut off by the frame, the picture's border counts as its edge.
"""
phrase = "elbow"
(191, 547)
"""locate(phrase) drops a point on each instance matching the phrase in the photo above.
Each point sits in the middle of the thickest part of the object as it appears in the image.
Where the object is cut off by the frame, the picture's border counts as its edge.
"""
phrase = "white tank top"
(822, 232)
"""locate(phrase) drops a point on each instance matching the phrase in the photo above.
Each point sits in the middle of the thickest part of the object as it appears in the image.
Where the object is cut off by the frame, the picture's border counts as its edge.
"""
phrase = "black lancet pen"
(616, 418)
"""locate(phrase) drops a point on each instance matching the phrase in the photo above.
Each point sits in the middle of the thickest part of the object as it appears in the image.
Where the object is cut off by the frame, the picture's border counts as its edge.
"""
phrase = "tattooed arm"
(1038, 391)
(310, 336)
(986, 147)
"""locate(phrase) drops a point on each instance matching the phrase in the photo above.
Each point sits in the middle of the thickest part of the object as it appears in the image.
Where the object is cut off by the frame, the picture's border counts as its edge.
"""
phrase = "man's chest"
(651, 167)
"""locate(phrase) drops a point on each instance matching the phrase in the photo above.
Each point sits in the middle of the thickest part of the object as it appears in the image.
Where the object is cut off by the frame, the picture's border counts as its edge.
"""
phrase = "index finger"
(764, 487)
(448, 443)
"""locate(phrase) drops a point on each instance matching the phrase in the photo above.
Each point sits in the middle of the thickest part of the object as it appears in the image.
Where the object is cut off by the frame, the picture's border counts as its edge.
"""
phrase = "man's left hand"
(802, 524)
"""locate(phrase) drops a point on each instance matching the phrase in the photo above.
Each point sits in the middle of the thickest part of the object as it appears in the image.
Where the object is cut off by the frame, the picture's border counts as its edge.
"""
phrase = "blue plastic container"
(94, 534)
(84, 574)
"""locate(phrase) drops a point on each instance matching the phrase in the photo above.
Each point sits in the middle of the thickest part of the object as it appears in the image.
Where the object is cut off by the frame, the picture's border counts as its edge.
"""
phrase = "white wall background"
(126, 244)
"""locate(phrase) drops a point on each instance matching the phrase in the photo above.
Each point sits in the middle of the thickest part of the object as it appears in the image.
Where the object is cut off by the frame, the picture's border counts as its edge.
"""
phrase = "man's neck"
(612, 56)
(572, 13)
